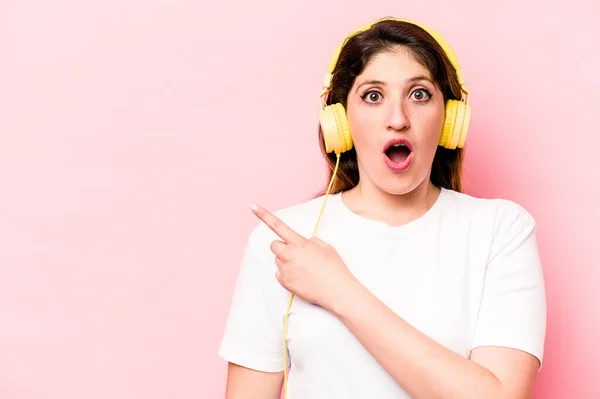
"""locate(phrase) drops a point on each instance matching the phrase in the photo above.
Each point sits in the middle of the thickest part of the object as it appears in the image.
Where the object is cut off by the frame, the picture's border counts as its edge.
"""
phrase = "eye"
(421, 95)
(371, 96)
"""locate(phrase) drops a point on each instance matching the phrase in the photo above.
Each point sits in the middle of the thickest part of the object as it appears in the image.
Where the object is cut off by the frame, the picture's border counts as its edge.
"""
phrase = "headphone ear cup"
(456, 125)
(465, 125)
(335, 128)
(449, 122)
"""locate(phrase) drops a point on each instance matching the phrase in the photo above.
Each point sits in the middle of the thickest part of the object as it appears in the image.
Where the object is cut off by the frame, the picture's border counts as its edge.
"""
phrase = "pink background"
(134, 133)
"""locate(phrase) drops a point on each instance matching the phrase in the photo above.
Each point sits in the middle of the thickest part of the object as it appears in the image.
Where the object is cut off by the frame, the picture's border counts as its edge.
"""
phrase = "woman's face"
(395, 102)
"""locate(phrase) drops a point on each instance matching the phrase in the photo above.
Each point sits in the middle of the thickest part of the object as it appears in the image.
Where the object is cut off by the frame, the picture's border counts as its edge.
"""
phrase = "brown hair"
(354, 56)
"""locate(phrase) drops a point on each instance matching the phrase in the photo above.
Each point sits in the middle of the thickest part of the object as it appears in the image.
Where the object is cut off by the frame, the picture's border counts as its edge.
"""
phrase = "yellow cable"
(287, 312)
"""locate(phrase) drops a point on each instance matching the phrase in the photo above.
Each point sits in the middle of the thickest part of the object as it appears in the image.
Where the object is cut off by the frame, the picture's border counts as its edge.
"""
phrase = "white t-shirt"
(467, 274)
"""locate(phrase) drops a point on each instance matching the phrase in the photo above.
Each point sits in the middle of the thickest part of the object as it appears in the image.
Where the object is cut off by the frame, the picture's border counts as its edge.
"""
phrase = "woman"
(412, 288)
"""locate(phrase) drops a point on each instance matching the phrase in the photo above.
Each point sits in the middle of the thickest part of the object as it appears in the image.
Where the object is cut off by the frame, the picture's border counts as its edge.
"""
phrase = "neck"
(371, 202)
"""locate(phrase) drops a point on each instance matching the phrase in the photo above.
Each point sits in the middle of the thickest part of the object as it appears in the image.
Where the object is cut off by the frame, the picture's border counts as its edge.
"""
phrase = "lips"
(398, 154)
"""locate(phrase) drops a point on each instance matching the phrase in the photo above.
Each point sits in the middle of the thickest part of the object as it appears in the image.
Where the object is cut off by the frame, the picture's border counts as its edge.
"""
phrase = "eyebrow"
(382, 83)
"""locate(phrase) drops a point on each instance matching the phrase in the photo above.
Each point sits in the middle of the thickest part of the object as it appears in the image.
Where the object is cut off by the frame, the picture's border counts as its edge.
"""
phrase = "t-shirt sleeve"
(253, 332)
(513, 304)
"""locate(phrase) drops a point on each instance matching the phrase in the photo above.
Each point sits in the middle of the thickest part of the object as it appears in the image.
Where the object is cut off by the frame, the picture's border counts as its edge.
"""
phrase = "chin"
(399, 185)
(396, 183)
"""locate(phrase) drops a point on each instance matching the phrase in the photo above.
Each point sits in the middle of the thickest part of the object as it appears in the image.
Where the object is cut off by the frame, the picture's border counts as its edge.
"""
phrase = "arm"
(252, 340)
(245, 383)
(510, 328)
(425, 368)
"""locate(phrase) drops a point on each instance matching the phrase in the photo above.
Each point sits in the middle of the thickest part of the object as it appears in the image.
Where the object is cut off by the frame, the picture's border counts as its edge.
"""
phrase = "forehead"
(397, 64)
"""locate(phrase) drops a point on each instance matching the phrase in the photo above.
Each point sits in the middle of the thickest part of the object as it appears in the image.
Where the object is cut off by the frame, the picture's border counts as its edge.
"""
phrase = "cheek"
(363, 128)
(433, 125)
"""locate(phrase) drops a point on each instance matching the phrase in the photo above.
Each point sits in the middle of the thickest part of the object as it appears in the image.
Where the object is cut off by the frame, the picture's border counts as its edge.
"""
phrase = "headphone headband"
(436, 36)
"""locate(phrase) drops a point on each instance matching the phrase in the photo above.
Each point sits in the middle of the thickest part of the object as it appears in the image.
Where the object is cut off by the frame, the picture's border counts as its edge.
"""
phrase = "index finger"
(277, 225)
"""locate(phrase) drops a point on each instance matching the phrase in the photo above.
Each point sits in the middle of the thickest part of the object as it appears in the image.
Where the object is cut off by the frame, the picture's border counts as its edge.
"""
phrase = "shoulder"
(499, 213)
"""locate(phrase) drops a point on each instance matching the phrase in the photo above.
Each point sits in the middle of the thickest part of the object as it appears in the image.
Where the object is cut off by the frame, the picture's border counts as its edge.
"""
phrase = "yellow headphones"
(334, 122)
(338, 139)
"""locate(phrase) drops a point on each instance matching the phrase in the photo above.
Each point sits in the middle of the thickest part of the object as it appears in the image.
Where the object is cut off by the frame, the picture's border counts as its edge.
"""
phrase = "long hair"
(354, 56)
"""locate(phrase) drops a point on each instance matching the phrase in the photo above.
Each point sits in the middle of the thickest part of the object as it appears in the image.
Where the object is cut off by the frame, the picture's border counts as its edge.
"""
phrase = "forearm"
(421, 366)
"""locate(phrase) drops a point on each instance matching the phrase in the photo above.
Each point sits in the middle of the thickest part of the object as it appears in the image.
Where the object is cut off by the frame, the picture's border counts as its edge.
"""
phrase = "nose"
(397, 115)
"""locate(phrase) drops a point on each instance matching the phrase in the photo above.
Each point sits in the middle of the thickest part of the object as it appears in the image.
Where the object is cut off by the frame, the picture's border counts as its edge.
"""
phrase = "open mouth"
(398, 153)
